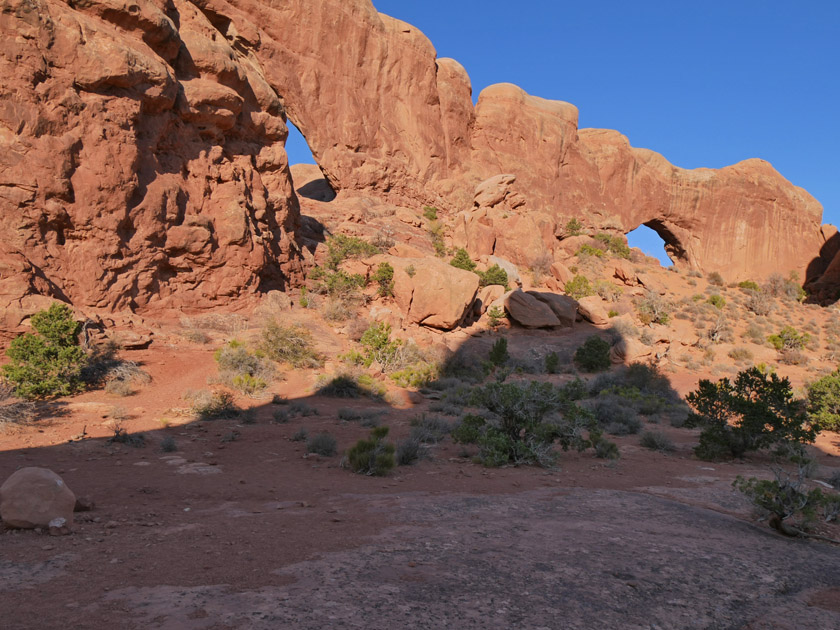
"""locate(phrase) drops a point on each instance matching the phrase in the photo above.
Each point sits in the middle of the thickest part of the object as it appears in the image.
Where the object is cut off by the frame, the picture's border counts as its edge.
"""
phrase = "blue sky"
(704, 83)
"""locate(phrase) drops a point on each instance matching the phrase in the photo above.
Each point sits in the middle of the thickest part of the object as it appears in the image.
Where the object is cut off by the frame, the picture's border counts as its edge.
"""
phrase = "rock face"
(530, 312)
(35, 497)
(434, 293)
(142, 159)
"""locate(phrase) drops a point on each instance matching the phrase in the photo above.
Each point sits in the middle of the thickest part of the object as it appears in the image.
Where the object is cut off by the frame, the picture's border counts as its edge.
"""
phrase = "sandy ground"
(240, 528)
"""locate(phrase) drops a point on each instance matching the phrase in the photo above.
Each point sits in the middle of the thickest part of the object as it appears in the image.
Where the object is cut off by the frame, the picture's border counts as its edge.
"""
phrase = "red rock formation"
(142, 160)
(141, 157)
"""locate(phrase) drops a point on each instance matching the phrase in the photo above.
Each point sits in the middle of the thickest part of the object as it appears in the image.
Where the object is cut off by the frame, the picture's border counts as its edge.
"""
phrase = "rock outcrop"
(142, 159)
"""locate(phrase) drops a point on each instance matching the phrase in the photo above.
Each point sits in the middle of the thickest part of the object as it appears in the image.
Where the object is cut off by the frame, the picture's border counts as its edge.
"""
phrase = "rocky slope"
(142, 160)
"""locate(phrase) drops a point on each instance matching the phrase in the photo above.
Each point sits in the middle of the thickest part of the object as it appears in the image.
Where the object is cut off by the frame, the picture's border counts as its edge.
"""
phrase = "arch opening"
(307, 177)
(655, 240)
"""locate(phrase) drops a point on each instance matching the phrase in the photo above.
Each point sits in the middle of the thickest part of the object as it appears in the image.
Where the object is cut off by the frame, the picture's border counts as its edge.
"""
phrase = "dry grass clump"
(14, 410)
(290, 344)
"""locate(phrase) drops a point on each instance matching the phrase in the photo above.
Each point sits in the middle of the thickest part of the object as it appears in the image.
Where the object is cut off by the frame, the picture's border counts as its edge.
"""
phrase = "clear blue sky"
(704, 83)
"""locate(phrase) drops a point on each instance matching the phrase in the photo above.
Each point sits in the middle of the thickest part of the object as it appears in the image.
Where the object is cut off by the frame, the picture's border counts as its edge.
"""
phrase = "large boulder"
(530, 312)
(432, 292)
(593, 310)
(36, 497)
(563, 306)
(629, 350)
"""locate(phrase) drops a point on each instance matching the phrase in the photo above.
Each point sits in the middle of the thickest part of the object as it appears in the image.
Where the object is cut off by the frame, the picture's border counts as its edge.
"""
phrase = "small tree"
(384, 276)
(754, 412)
(373, 456)
(493, 275)
(579, 287)
(824, 402)
(499, 352)
(462, 260)
(48, 363)
(593, 355)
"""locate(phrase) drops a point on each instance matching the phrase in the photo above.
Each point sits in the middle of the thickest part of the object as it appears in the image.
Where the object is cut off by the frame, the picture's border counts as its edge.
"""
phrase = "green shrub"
(593, 355)
(824, 402)
(384, 277)
(468, 430)
(341, 247)
(756, 411)
(290, 344)
(615, 416)
(552, 363)
(615, 244)
(499, 353)
(749, 285)
(213, 405)
(495, 315)
(378, 345)
(579, 287)
(410, 450)
(788, 288)
(410, 271)
(336, 284)
(373, 456)
(590, 250)
(49, 362)
(430, 212)
(322, 444)
(716, 300)
(574, 228)
(417, 375)
(789, 338)
(436, 235)
(462, 260)
(242, 370)
(493, 275)
(350, 386)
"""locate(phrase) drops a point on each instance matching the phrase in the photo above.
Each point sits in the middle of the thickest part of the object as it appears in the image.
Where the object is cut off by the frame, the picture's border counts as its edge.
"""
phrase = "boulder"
(593, 310)
(649, 282)
(563, 306)
(492, 191)
(530, 312)
(487, 296)
(36, 497)
(561, 273)
(629, 350)
(625, 273)
(436, 295)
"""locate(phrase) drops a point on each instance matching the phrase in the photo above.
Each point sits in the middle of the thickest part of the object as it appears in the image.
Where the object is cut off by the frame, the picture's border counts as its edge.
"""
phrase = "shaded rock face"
(142, 156)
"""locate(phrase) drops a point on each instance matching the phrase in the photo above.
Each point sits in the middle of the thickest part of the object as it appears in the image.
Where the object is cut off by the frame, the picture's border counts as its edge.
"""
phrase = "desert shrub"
(337, 284)
(417, 375)
(656, 441)
(719, 330)
(756, 411)
(493, 275)
(242, 370)
(337, 309)
(49, 362)
(590, 250)
(574, 228)
(653, 309)
(740, 354)
(760, 303)
(495, 315)
(168, 444)
(615, 416)
(788, 288)
(788, 338)
(593, 355)
(341, 247)
(755, 333)
(578, 287)
(824, 402)
(606, 449)
(792, 356)
(468, 429)
(790, 505)
(436, 235)
(715, 278)
(608, 291)
(521, 432)
(384, 277)
(349, 385)
(614, 244)
(622, 329)
(410, 450)
(290, 344)
(322, 443)
(430, 213)
(410, 271)
(121, 436)
(300, 435)
(749, 285)
(12, 409)
(552, 363)
(462, 260)
(716, 300)
(373, 456)
(429, 429)
(365, 417)
(499, 352)
(214, 405)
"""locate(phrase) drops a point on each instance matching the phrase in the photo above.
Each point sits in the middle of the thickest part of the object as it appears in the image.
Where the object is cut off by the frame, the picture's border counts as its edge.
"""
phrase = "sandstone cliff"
(142, 157)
